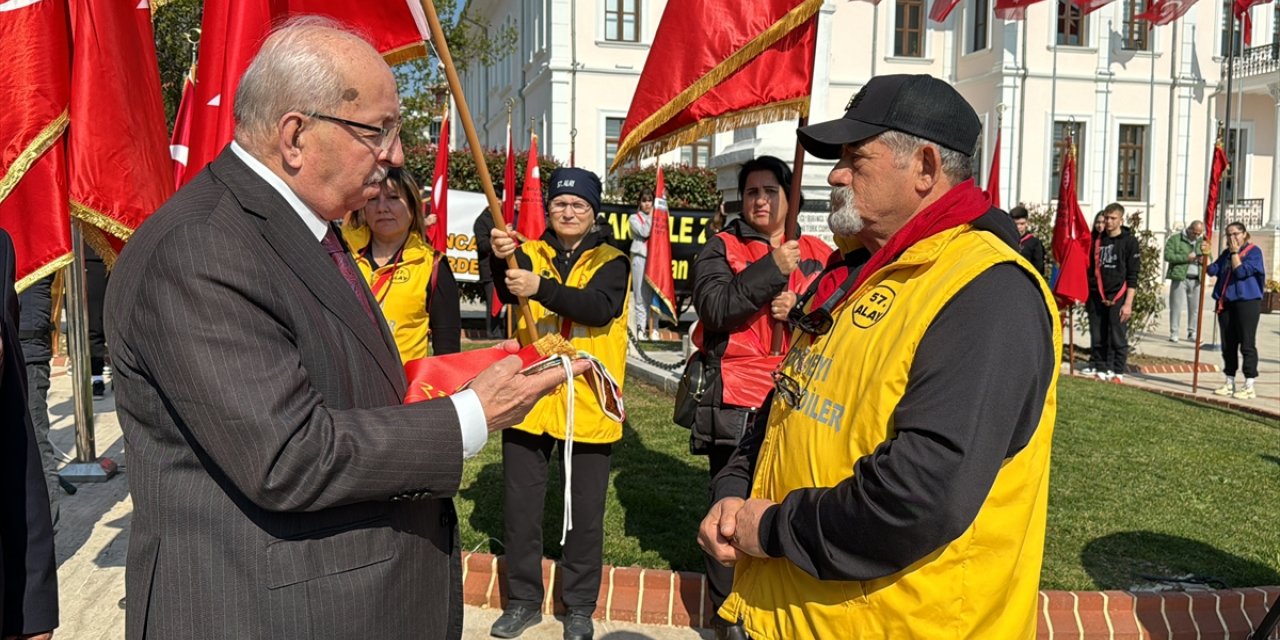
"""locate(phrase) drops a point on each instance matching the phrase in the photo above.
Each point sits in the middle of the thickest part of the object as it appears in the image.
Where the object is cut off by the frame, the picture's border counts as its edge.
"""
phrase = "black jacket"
(1120, 258)
(1033, 250)
(484, 248)
(595, 305)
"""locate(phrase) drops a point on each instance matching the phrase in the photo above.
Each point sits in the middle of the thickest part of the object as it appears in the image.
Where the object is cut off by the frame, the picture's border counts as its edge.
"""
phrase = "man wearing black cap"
(902, 489)
(576, 283)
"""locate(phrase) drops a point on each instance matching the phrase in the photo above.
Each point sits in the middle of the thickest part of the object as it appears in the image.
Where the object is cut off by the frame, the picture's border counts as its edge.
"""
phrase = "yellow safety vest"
(981, 585)
(608, 344)
(403, 295)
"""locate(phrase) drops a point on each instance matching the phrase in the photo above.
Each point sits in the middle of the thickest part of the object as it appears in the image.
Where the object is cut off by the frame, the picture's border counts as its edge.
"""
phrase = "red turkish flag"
(993, 178)
(233, 30)
(1089, 6)
(532, 220)
(941, 9)
(1215, 183)
(1240, 9)
(180, 141)
(1013, 9)
(657, 268)
(509, 182)
(35, 81)
(438, 234)
(1070, 237)
(718, 67)
(1162, 12)
(119, 166)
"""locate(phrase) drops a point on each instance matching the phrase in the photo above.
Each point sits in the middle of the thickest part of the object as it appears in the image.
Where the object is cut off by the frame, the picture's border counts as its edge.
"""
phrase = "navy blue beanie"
(578, 182)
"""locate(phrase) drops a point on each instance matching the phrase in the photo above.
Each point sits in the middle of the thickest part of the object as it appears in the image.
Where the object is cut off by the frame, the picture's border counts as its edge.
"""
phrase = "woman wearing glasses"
(1241, 274)
(411, 281)
(576, 283)
(745, 278)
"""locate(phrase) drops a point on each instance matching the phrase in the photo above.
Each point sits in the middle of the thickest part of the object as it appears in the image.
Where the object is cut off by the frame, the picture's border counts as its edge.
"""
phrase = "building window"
(981, 16)
(908, 31)
(1229, 27)
(1137, 33)
(744, 133)
(1132, 149)
(1072, 25)
(1233, 178)
(697, 154)
(1060, 131)
(622, 20)
(612, 136)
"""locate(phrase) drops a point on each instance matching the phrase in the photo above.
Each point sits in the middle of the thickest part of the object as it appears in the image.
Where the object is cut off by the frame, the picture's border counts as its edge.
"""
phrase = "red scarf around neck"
(963, 204)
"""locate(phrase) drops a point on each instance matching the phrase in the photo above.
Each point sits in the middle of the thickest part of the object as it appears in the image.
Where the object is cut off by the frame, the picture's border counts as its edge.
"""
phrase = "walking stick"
(793, 216)
(495, 206)
(1195, 367)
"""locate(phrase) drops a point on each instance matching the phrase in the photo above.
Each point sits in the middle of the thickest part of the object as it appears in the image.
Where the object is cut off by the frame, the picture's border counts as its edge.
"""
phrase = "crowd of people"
(282, 488)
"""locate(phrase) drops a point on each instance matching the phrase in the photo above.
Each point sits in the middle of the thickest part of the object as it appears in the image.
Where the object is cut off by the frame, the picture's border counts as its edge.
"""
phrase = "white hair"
(295, 70)
(955, 165)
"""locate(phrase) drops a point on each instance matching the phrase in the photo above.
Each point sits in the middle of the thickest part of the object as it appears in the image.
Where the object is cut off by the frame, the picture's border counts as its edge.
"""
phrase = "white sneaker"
(1105, 376)
(1227, 389)
(1246, 393)
(1088, 371)
(653, 335)
(1174, 339)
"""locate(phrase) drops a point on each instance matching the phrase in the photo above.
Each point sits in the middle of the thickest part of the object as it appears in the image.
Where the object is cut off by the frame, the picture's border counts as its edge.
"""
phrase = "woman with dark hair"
(1241, 274)
(411, 281)
(745, 278)
(641, 293)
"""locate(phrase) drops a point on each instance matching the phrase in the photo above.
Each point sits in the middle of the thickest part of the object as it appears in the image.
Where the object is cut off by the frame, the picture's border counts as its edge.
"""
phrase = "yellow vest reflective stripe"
(403, 299)
(983, 584)
(607, 343)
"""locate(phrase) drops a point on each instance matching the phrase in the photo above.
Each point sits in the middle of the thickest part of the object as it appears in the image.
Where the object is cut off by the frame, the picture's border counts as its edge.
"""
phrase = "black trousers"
(524, 473)
(1239, 323)
(719, 577)
(1108, 336)
(494, 327)
(38, 405)
(96, 288)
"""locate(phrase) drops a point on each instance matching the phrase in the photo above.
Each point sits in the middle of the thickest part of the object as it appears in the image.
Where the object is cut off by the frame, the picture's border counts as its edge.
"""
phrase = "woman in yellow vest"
(746, 277)
(577, 286)
(411, 281)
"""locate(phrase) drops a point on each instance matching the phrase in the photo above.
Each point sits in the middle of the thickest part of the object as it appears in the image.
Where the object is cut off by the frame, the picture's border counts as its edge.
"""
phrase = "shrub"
(687, 187)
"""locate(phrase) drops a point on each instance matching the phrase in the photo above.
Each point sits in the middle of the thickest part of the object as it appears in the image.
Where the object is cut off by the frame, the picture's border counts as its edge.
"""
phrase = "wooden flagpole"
(1204, 266)
(464, 113)
(792, 221)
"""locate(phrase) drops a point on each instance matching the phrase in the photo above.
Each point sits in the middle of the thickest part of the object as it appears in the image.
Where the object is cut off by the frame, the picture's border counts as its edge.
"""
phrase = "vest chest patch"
(401, 276)
(873, 307)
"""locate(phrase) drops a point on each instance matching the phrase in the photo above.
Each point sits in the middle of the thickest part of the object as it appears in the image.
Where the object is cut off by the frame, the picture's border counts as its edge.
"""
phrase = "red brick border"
(679, 598)
(1181, 367)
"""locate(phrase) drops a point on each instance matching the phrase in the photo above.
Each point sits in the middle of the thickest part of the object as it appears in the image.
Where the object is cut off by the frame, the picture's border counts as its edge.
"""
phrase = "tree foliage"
(420, 160)
(176, 25)
(687, 187)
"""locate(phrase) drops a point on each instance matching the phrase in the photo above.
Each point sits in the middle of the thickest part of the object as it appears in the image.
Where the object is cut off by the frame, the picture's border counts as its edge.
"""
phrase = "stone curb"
(1225, 403)
(680, 599)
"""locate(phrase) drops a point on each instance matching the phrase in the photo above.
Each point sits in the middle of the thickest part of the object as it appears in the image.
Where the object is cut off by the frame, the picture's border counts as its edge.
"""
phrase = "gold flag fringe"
(730, 65)
(406, 53)
(754, 116)
(34, 150)
(94, 237)
(44, 271)
(671, 306)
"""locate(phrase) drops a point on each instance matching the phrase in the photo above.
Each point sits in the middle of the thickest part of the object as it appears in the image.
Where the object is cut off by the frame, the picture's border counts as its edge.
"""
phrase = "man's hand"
(47, 635)
(781, 305)
(522, 283)
(1126, 312)
(507, 395)
(746, 535)
(502, 243)
(787, 257)
(717, 528)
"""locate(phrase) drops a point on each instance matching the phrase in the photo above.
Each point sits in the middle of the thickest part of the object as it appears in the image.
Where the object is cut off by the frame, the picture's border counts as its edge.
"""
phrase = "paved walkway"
(93, 535)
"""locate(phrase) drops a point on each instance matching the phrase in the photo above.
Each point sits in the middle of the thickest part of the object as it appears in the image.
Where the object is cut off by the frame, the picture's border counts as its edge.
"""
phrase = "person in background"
(1114, 262)
(641, 293)
(1241, 277)
(576, 284)
(494, 325)
(1184, 252)
(36, 334)
(28, 575)
(745, 279)
(95, 278)
(1029, 246)
(412, 283)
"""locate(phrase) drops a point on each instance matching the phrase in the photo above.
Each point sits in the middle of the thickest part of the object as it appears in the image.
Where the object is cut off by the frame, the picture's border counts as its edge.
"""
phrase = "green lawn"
(1141, 485)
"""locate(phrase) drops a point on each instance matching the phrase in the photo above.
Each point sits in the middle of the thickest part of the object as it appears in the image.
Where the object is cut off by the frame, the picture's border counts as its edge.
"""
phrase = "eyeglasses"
(815, 323)
(788, 388)
(578, 207)
(386, 136)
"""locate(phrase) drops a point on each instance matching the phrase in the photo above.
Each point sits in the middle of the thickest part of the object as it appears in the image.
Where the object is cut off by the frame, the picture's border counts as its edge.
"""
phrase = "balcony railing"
(1256, 61)
(1247, 212)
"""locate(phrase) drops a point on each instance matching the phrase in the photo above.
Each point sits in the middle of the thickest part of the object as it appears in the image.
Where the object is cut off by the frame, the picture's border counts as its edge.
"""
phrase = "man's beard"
(845, 220)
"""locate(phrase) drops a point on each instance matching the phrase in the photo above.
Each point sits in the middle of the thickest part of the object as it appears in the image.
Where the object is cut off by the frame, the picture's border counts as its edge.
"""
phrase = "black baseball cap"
(919, 105)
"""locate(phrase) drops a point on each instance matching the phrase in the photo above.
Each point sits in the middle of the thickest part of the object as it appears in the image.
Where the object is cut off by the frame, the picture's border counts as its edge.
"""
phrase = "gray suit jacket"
(280, 488)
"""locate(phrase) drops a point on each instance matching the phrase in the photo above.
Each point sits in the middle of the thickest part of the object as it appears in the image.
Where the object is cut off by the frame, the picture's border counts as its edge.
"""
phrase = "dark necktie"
(339, 256)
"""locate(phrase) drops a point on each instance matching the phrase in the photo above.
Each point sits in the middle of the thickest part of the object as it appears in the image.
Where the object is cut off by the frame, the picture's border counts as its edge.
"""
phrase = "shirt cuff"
(475, 429)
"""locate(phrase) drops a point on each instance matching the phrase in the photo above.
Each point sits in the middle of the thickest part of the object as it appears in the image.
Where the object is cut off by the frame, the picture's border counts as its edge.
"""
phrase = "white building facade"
(1145, 104)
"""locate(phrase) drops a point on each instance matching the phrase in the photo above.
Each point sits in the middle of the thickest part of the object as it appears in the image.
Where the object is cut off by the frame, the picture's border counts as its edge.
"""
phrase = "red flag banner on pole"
(993, 178)
(532, 221)
(941, 9)
(509, 179)
(1240, 9)
(438, 234)
(1013, 9)
(119, 167)
(35, 81)
(232, 31)
(1089, 6)
(1070, 237)
(720, 68)
(1215, 183)
(180, 141)
(1162, 12)
(657, 268)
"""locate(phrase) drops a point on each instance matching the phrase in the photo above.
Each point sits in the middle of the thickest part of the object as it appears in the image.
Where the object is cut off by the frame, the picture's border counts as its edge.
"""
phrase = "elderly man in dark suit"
(28, 578)
(281, 489)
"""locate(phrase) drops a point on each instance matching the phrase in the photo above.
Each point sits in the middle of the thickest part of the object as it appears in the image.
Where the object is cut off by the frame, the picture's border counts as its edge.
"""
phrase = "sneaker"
(1227, 389)
(1246, 393)
(1104, 376)
(1174, 339)
(578, 626)
(1088, 371)
(515, 621)
(654, 336)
